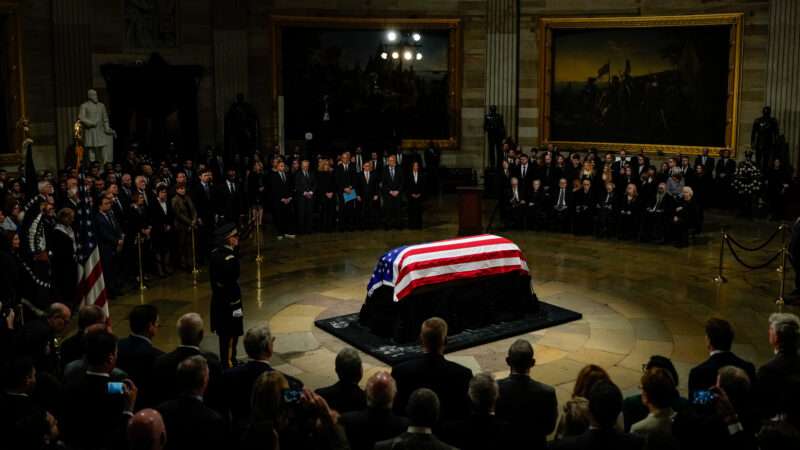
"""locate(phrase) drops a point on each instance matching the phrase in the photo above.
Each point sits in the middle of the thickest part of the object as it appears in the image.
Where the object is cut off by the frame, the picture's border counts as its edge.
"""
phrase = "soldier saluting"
(227, 316)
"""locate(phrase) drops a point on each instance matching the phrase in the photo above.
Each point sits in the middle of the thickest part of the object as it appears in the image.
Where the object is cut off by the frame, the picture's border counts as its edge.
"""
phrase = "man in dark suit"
(345, 395)
(528, 405)
(109, 239)
(136, 354)
(369, 196)
(74, 347)
(719, 338)
(345, 176)
(524, 173)
(775, 376)
(95, 417)
(605, 404)
(230, 198)
(22, 420)
(239, 380)
(707, 162)
(190, 332)
(726, 167)
(304, 186)
(563, 203)
(377, 422)
(146, 430)
(281, 199)
(423, 414)
(482, 430)
(447, 379)
(38, 338)
(190, 424)
(203, 199)
(392, 188)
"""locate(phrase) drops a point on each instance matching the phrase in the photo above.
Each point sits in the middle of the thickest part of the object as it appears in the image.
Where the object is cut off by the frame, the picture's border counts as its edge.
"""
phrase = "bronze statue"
(496, 131)
(242, 129)
(764, 138)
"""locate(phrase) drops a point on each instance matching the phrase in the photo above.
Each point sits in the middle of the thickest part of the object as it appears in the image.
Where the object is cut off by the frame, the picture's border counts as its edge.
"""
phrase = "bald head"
(58, 317)
(381, 389)
(190, 329)
(146, 431)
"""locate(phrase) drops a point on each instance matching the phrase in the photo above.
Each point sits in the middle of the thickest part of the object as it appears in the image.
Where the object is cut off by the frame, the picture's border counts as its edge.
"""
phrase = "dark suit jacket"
(204, 202)
(600, 440)
(345, 178)
(530, 407)
(773, 379)
(239, 381)
(164, 370)
(229, 204)
(279, 188)
(412, 187)
(21, 420)
(303, 184)
(73, 348)
(344, 397)
(93, 419)
(137, 356)
(392, 184)
(447, 379)
(108, 232)
(704, 375)
(366, 427)
(368, 190)
(192, 425)
(479, 432)
(413, 441)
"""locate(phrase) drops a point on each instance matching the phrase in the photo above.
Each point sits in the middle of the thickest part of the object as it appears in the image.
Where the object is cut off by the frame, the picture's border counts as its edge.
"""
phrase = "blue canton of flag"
(86, 239)
(384, 271)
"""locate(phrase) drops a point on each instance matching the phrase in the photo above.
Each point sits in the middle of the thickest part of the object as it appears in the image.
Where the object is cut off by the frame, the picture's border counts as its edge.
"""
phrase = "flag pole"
(195, 271)
(142, 287)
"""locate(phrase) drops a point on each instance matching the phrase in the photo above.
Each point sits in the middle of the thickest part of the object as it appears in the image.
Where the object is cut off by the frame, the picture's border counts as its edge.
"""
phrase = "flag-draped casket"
(471, 282)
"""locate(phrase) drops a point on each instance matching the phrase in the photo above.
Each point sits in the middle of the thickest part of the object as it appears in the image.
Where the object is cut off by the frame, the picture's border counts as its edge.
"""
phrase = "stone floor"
(637, 300)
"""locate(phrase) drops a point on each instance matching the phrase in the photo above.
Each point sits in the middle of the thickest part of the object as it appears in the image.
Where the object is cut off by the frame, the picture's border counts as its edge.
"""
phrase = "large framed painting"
(345, 82)
(658, 84)
(13, 114)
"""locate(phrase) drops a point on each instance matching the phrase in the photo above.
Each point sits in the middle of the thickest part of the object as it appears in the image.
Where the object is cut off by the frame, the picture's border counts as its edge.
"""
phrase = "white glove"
(238, 313)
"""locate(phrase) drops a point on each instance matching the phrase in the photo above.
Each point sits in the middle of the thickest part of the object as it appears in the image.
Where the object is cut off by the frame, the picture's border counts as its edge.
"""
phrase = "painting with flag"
(91, 285)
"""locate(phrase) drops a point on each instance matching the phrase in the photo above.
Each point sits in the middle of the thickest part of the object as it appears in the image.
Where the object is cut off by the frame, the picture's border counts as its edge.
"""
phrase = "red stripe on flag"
(452, 246)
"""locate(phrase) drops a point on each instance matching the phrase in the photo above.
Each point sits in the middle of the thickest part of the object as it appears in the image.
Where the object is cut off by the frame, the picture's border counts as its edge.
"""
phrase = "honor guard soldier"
(227, 316)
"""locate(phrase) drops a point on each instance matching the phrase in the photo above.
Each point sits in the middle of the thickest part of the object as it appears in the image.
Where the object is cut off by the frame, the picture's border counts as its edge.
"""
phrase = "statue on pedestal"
(495, 130)
(242, 129)
(98, 137)
(764, 138)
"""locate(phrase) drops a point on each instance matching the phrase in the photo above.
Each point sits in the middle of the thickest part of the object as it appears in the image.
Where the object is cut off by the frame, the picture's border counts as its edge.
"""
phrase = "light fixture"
(401, 46)
(391, 36)
(419, 56)
(395, 55)
(384, 55)
(407, 55)
(416, 37)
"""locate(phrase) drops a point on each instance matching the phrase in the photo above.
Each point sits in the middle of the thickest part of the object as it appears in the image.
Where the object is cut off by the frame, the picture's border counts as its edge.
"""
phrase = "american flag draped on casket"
(410, 267)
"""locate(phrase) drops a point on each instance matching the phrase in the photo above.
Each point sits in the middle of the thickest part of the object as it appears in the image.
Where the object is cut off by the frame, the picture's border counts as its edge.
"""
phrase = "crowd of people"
(94, 390)
(621, 196)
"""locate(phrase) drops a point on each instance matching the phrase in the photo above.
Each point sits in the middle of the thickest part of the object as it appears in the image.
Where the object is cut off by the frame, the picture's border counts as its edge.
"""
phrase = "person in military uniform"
(227, 316)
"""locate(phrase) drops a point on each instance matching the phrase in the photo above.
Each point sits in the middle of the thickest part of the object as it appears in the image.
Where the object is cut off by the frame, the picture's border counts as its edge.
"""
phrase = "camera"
(115, 388)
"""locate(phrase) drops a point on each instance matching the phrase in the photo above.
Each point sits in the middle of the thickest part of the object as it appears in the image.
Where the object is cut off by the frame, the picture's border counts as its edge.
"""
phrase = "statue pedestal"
(470, 210)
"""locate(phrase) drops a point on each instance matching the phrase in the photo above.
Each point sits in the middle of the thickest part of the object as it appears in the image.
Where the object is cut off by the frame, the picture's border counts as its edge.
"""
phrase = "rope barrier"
(757, 248)
(757, 266)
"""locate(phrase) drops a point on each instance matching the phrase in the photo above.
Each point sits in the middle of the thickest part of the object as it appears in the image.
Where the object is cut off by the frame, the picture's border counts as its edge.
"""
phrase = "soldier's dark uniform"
(227, 320)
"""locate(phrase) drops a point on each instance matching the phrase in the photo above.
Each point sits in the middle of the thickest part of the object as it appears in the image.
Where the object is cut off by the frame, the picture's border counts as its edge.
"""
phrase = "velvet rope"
(757, 248)
(757, 266)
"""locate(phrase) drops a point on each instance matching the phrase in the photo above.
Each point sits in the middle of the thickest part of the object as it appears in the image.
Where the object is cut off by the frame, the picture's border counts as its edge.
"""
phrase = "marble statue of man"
(98, 137)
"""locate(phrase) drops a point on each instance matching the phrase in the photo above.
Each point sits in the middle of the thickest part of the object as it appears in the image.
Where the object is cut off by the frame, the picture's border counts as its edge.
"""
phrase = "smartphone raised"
(115, 387)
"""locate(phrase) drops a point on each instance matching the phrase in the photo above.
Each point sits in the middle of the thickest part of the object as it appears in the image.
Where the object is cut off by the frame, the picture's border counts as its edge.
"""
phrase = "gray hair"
(190, 328)
(257, 340)
(192, 373)
(786, 327)
(348, 365)
(483, 392)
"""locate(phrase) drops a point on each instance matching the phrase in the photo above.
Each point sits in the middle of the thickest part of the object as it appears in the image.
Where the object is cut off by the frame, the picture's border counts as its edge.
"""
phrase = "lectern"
(470, 210)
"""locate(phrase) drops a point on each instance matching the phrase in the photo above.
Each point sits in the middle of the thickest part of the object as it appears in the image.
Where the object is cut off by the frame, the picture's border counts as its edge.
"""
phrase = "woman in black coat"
(415, 186)
(326, 193)
(62, 260)
(630, 211)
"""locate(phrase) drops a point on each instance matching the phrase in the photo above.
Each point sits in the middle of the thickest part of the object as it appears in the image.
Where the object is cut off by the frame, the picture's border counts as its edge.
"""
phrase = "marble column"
(502, 60)
(72, 65)
(783, 71)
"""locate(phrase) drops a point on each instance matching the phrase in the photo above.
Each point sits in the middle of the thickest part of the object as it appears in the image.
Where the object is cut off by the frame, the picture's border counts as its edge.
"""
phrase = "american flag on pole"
(91, 286)
(409, 267)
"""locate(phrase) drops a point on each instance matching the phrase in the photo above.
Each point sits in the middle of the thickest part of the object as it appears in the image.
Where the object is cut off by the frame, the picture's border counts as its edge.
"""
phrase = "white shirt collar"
(98, 374)
(190, 346)
(716, 352)
(419, 430)
(141, 337)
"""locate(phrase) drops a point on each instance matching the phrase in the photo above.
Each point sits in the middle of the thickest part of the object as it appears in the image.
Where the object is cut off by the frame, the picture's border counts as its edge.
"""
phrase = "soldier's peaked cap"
(225, 231)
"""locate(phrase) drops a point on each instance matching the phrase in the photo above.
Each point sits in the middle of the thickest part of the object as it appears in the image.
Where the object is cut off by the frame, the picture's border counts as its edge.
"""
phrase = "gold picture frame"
(546, 59)
(16, 107)
(278, 22)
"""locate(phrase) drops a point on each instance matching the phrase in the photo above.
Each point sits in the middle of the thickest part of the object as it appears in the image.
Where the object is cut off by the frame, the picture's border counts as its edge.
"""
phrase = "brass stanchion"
(258, 239)
(719, 279)
(195, 271)
(142, 287)
(780, 302)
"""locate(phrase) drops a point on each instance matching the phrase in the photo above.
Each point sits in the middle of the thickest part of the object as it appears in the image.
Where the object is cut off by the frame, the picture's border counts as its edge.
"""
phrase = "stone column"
(502, 60)
(783, 71)
(72, 65)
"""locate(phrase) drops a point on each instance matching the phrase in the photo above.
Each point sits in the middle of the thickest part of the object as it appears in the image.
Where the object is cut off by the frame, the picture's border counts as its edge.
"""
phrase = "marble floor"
(637, 300)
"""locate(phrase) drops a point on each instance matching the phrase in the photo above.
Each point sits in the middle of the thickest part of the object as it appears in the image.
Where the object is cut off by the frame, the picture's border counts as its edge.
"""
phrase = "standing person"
(415, 186)
(256, 192)
(281, 198)
(185, 221)
(110, 240)
(227, 315)
(163, 221)
(345, 175)
(304, 186)
(392, 181)
(794, 257)
(327, 195)
(63, 248)
(204, 203)
(229, 198)
(369, 196)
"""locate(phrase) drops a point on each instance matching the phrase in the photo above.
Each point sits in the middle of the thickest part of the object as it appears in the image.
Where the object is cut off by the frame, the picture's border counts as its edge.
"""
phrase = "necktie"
(608, 198)
(516, 196)
(283, 177)
(561, 198)
(366, 174)
(391, 172)
(524, 168)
